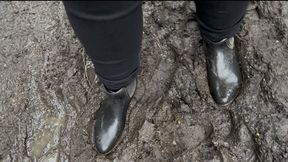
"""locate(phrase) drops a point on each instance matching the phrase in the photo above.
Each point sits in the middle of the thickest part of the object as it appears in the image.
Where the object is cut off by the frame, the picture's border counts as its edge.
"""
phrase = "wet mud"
(49, 92)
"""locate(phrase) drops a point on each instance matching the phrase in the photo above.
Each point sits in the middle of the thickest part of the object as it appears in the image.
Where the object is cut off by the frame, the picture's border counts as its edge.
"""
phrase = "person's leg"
(219, 21)
(111, 33)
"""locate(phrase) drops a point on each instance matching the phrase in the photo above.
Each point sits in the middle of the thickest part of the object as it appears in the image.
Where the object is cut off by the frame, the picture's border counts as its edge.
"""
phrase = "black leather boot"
(110, 118)
(223, 71)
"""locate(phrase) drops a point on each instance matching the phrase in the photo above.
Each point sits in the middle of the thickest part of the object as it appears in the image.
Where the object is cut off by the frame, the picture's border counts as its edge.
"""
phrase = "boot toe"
(102, 147)
(224, 96)
(106, 139)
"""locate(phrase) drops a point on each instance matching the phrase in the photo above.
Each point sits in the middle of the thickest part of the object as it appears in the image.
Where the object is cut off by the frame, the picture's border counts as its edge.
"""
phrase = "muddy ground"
(49, 91)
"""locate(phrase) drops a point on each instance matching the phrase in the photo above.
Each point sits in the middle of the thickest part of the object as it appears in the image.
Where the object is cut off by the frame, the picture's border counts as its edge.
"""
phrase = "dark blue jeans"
(111, 32)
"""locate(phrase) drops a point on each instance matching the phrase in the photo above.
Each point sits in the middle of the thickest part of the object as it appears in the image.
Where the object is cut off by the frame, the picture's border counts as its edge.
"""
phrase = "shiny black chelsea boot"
(110, 118)
(223, 71)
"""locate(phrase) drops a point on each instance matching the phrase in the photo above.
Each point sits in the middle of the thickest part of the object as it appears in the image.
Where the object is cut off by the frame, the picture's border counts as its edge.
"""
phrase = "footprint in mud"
(232, 138)
(45, 143)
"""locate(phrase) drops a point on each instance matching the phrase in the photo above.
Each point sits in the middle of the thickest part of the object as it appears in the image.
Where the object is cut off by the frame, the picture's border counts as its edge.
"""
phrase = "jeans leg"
(111, 33)
(220, 19)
